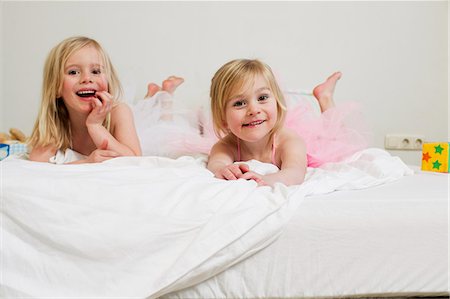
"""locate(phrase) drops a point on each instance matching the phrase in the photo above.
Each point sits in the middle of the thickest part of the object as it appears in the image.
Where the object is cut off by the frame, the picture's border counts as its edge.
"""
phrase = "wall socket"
(403, 142)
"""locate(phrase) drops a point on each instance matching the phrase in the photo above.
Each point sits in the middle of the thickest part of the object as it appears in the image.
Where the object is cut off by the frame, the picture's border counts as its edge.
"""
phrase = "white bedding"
(389, 240)
(145, 226)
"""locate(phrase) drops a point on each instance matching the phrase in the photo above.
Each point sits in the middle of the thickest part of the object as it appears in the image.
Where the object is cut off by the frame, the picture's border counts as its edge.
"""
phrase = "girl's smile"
(254, 123)
(86, 93)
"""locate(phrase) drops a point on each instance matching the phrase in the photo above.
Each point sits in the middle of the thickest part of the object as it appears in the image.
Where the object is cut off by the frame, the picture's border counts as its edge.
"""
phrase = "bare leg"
(152, 89)
(171, 84)
(324, 91)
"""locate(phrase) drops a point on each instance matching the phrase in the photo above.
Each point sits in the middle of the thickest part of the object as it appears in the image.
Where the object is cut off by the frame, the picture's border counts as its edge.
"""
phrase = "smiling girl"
(80, 119)
(248, 111)
(251, 120)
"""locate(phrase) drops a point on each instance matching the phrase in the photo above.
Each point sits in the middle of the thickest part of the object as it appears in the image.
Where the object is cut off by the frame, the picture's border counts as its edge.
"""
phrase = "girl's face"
(251, 113)
(84, 76)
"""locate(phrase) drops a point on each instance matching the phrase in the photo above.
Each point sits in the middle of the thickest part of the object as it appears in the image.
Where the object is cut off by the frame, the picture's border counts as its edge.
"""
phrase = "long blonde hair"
(234, 75)
(52, 126)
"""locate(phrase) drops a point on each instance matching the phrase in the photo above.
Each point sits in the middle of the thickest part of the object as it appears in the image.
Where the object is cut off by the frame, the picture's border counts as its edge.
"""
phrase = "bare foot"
(324, 91)
(171, 83)
(152, 89)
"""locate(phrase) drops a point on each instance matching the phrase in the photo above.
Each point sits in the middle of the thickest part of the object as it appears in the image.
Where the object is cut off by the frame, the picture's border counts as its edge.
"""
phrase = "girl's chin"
(87, 99)
(86, 107)
(251, 138)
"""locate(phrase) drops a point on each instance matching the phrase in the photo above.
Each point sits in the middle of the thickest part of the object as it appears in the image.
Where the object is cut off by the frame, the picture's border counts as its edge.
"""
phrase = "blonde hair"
(52, 125)
(235, 75)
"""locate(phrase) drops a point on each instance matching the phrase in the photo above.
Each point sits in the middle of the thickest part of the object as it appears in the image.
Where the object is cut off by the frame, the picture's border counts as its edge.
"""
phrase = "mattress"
(387, 240)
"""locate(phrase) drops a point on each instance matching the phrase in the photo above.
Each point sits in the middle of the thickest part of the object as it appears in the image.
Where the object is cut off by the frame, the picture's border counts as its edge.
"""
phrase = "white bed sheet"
(143, 227)
(386, 240)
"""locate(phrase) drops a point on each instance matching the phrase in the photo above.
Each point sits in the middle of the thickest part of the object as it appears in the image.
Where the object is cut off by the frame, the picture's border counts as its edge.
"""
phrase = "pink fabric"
(331, 136)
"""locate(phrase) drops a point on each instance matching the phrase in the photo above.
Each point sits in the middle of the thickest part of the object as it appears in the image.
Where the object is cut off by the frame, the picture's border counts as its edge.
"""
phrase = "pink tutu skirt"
(330, 136)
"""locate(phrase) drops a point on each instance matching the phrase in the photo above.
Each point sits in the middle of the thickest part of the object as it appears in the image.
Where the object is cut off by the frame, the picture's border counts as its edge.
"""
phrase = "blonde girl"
(81, 119)
(248, 111)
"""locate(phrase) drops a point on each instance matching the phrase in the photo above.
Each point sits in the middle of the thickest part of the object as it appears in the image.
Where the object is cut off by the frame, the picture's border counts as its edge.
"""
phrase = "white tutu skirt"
(164, 129)
(167, 130)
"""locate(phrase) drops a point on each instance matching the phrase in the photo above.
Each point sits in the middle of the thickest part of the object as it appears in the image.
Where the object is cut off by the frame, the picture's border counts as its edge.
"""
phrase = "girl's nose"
(253, 108)
(86, 78)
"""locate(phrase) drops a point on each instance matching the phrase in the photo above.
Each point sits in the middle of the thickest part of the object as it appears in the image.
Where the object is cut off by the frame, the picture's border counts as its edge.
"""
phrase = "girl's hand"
(240, 171)
(232, 171)
(100, 108)
(102, 154)
(250, 175)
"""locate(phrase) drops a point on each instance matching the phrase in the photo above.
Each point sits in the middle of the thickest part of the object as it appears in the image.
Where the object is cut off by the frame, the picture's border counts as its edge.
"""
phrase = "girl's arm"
(99, 155)
(293, 163)
(42, 153)
(220, 162)
(292, 152)
(123, 140)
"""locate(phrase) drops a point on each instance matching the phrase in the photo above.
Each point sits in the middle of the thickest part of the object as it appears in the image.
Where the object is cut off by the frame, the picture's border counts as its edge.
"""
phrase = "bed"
(154, 227)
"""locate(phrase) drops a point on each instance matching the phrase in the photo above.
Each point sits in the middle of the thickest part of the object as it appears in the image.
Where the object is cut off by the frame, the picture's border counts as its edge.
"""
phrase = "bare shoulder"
(291, 150)
(122, 116)
(226, 145)
(42, 153)
(288, 137)
(121, 109)
(290, 146)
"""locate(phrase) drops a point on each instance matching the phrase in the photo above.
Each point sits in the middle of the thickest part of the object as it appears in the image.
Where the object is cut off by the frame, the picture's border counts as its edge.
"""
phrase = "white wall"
(394, 55)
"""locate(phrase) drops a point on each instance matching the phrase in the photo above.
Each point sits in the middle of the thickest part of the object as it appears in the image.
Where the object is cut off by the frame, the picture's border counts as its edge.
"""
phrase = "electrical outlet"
(403, 142)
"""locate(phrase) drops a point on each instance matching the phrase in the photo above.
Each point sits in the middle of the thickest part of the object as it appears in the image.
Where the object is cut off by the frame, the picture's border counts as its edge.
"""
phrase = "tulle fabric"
(165, 129)
(330, 136)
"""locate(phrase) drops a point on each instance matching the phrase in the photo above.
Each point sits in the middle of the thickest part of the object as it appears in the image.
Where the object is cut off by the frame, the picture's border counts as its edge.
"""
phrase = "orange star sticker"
(426, 156)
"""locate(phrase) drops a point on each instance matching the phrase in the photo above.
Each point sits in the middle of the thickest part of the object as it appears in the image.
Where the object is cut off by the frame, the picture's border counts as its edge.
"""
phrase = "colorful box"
(435, 156)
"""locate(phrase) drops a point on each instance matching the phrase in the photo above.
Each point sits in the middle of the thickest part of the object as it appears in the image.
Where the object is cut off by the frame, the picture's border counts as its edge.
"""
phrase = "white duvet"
(142, 227)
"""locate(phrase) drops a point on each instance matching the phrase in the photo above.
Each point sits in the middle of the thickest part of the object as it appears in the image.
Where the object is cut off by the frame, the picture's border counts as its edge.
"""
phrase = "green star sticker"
(438, 149)
(436, 164)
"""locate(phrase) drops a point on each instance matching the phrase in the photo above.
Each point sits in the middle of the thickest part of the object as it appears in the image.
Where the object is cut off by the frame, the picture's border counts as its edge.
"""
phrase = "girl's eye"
(263, 97)
(73, 72)
(238, 103)
(97, 71)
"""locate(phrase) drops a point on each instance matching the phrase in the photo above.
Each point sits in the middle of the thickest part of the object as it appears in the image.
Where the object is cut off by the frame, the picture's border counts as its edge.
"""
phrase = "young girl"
(249, 110)
(80, 119)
